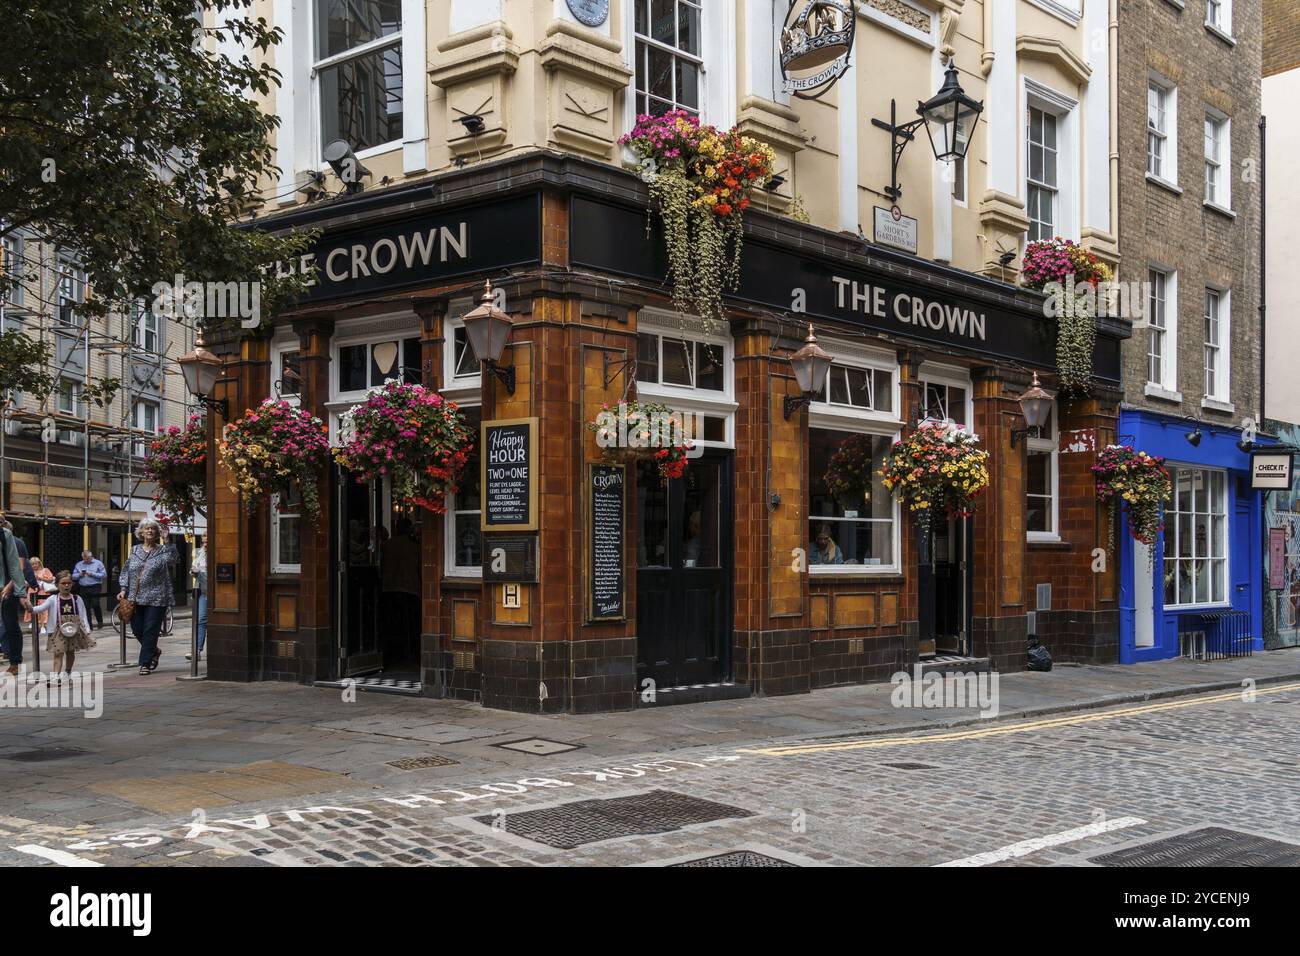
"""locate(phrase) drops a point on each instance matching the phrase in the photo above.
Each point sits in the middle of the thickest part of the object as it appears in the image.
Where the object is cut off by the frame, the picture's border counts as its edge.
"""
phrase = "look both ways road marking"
(868, 743)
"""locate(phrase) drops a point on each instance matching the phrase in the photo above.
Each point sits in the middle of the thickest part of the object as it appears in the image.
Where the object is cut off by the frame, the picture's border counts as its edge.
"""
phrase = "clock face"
(590, 13)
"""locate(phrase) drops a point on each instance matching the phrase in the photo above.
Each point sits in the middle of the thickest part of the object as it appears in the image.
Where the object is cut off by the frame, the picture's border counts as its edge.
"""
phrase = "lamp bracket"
(1032, 431)
(504, 373)
(899, 137)
(216, 404)
(628, 363)
(795, 402)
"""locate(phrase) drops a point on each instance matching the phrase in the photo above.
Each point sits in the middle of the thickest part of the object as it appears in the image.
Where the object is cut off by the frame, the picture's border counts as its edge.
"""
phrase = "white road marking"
(61, 857)
(1025, 847)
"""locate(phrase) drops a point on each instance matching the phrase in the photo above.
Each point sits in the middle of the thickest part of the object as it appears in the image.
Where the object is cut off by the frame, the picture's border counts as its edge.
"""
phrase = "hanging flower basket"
(638, 431)
(411, 434)
(1140, 482)
(848, 474)
(938, 469)
(701, 181)
(177, 465)
(274, 447)
(1070, 275)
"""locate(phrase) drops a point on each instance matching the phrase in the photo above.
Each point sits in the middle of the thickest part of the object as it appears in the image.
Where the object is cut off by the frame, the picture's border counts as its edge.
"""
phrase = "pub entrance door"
(377, 583)
(684, 571)
(945, 588)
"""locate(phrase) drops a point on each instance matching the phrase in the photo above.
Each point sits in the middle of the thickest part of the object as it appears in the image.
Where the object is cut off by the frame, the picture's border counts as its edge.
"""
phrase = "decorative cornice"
(1054, 51)
(481, 51)
(574, 52)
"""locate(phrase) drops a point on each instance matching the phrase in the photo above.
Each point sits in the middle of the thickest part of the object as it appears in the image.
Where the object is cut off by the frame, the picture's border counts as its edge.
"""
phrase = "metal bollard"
(36, 644)
(121, 630)
(194, 640)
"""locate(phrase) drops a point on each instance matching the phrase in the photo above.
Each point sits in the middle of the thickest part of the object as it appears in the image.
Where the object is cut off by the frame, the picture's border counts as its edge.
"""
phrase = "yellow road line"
(974, 734)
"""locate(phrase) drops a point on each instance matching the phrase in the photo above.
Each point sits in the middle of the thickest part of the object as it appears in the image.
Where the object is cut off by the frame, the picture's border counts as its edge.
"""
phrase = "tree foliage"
(128, 140)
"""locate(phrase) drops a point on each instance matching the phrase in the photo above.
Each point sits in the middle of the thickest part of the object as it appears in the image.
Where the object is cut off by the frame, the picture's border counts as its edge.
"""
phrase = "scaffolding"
(41, 479)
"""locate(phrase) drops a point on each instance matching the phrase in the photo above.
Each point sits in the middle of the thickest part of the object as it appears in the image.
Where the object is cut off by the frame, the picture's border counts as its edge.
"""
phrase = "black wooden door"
(684, 556)
(951, 567)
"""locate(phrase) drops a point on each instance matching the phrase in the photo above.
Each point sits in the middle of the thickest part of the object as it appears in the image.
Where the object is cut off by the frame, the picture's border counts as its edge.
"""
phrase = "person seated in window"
(824, 550)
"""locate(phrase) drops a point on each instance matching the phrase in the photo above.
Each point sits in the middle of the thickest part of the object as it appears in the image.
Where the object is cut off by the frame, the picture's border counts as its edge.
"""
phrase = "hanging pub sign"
(816, 42)
(606, 508)
(1270, 471)
(509, 475)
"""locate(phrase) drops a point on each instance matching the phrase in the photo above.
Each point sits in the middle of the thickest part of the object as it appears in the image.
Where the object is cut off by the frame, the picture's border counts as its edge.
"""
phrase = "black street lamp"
(949, 117)
(810, 363)
(488, 329)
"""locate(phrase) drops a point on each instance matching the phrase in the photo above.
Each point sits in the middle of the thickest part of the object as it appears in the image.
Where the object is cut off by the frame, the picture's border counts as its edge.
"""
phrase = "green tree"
(126, 139)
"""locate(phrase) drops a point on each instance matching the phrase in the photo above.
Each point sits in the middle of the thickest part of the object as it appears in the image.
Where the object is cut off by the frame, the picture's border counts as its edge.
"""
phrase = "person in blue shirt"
(89, 574)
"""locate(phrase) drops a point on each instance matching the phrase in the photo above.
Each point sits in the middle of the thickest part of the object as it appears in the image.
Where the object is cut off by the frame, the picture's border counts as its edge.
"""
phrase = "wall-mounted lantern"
(488, 329)
(810, 364)
(1036, 406)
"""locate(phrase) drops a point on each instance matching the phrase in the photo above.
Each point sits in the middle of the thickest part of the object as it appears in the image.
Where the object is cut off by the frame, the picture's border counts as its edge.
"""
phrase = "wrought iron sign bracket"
(795, 402)
(504, 373)
(899, 137)
(628, 364)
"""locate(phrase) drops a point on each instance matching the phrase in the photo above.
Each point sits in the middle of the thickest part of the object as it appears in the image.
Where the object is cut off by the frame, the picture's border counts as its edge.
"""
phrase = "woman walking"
(66, 625)
(146, 583)
(44, 588)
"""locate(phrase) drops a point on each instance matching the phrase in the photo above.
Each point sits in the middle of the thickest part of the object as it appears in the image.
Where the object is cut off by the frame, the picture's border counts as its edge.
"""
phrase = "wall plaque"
(606, 512)
(510, 557)
(225, 573)
(590, 13)
(509, 474)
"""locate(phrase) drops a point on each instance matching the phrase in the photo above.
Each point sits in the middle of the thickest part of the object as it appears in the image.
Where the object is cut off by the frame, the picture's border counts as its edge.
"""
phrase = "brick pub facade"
(564, 241)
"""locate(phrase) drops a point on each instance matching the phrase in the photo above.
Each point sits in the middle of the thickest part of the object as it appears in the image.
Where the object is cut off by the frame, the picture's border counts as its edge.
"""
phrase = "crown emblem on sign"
(822, 32)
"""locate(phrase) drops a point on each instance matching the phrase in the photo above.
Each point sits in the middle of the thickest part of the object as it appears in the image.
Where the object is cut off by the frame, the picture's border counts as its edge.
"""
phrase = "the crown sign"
(819, 34)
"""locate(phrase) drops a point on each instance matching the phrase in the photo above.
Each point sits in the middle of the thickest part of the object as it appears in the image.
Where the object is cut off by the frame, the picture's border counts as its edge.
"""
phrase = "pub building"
(565, 579)
(608, 576)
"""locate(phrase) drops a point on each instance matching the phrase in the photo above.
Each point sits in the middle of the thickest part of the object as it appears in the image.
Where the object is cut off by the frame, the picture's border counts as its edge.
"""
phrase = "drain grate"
(912, 766)
(1209, 846)
(538, 745)
(591, 821)
(46, 753)
(739, 858)
(421, 763)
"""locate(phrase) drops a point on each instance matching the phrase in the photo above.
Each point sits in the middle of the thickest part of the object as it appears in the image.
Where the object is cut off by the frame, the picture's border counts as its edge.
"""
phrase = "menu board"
(508, 452)
(606, 487)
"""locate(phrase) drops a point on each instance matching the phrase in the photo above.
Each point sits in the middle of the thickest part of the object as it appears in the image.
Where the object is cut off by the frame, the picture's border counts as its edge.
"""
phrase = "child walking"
(67, 626)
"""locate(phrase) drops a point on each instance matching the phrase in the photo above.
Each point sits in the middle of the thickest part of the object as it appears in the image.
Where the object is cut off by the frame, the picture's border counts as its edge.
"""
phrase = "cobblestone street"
(265, 775)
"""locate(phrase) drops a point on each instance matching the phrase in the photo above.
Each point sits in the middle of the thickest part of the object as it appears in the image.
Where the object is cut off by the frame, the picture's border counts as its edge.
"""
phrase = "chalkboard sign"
(606, 486)
(509, 474)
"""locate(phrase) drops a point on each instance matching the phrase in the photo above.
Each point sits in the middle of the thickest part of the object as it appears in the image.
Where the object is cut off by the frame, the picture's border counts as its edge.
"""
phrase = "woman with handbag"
(146, 583)
(67, 625)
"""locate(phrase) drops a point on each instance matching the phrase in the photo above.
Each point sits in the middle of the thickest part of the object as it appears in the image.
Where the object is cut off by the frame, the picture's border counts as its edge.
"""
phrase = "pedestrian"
(44, 587)
(89, 575)
(146, 583)
(65, 624)
(199, 569)
(13, 594)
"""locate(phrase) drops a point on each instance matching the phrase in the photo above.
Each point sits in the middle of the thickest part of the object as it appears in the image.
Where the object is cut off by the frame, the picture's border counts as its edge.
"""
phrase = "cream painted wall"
(1282, 385)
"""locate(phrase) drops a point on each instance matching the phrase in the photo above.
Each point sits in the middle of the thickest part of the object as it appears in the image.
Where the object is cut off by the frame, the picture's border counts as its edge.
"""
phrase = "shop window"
(946, 403)
(868, 389)
(1162, 129)
(849, 529)
(358, 71)
(1041, 504)
(1196, 529)
(663, 360)
(286, 534)
(669, 56)
(464, 539)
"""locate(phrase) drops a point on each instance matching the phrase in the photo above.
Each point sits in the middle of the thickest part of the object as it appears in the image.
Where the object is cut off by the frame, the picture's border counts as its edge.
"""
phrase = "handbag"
(126, 606)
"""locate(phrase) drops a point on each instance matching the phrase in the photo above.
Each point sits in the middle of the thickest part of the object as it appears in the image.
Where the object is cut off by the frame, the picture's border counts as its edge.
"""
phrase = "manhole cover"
(590, 821)
(740, 858)
(912, 766)
(421, 763)
(1210, 846)
(47, 753)
(538, 745)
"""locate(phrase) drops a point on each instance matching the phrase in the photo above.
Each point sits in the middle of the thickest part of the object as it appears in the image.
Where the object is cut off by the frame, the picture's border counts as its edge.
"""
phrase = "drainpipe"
(1263, 266)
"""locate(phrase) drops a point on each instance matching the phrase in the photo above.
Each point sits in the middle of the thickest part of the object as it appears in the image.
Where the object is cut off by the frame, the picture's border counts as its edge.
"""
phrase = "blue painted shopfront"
(1216, 471)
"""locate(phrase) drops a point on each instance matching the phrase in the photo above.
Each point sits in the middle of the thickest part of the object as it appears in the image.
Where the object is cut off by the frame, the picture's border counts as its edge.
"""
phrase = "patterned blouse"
(147, 577)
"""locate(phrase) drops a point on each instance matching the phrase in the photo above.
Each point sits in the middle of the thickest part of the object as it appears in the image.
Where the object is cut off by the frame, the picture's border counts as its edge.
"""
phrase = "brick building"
(504, 156)
(1189, 222)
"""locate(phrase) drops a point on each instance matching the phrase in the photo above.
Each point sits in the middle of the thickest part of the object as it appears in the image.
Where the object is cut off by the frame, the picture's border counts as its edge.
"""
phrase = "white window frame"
(685, 398)
(935, 374)
(393, 327)
(456, 387)
(315, 64)
(1168, 174)
(959, 171)
(1169, 381)
(1224, 25)
(824, 421)
(1222, 372)
(823, 413)
(1220, 163)
(75, 395)
(12, 254)
(140, 331)
(137, 408)
(450, 569)
(676, 52)
(1068, 192)
(277, 567)
(1047, 444)
(1171, 523)
(279, 349)
(70, 288)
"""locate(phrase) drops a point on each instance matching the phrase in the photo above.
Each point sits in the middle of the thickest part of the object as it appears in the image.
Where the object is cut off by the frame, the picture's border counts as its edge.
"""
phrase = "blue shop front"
(1177, 600)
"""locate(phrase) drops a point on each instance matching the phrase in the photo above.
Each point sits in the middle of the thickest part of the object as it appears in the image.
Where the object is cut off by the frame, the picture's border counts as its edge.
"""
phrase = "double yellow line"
(869, 743)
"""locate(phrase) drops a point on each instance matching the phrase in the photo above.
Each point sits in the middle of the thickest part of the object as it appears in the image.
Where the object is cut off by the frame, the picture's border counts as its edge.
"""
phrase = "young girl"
(67, 626)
